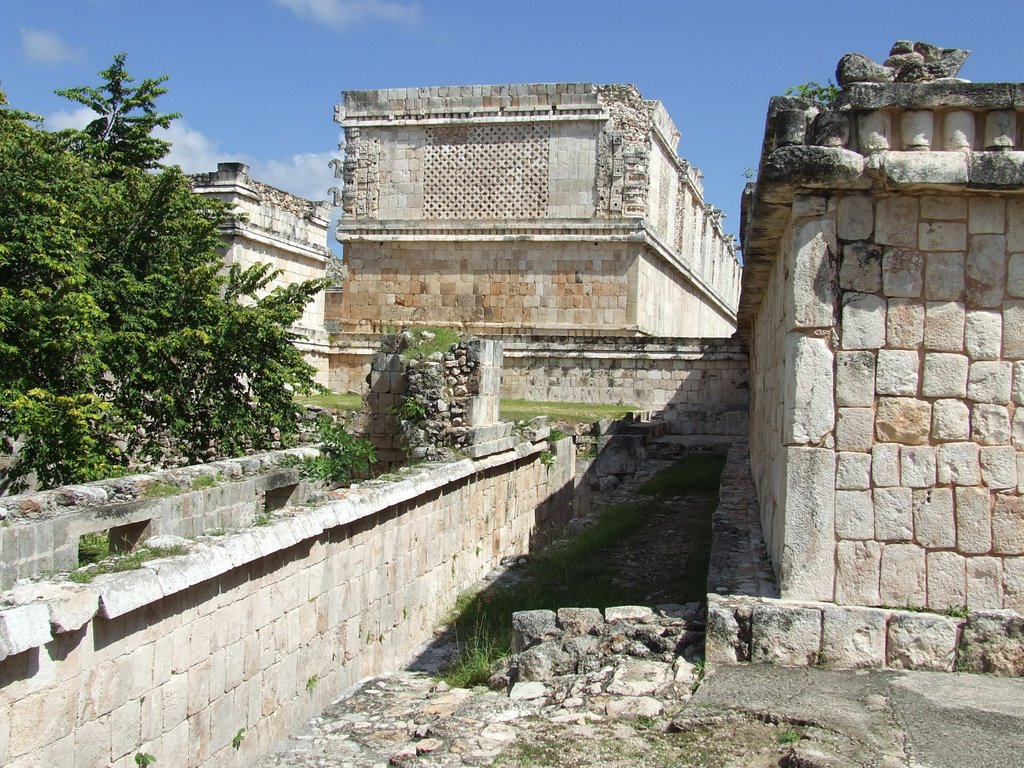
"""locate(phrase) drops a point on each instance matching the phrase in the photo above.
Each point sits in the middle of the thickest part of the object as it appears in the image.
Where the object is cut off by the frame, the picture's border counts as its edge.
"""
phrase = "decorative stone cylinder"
(790, 127)
(831, 129)
(958, 131)
(874, 131)
(916, 130)
(1000, 128)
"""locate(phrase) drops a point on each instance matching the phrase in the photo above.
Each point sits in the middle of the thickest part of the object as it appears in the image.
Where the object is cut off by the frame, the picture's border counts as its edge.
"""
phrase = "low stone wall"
(209, 658)
(699, 386)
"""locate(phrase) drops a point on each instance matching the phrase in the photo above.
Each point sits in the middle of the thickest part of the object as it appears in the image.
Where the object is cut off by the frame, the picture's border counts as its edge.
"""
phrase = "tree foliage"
(123, 340)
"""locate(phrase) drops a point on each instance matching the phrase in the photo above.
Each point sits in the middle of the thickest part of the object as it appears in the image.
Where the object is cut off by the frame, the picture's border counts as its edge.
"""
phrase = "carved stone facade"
(285, 230)
(558, 208)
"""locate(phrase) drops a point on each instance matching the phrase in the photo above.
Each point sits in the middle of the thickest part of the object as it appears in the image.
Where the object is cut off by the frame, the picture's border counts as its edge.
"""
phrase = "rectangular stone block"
(945, 375)
(951, 420)
(894, 518)
(855, 515)
(902, 576)
(863, 321)
(986, 270)
(934, 519)
(1013, 330)
(999, 466)
(855, 218)
(809, 406)
(990, 424)
(943, 207)
(853, 638)
(812, 274)
(896, 372)
(807, 570)
(857, 572)
(922, 641)
(917, 466)
(984, 583)
(1008, 525)
(1013, 584)
(902, 273)
(903, 420)
(942, 236)
(785, 635)
(983, 334)
(853, 471)
(855, 378)
(885, 465)
(944, 277)
(987, 215)
(1015, 275)
(988, 381)
(944, 326)
(854, 428)
(973, 520)
(896, 220)
(861, 268)
(947, 581)
(904, 324)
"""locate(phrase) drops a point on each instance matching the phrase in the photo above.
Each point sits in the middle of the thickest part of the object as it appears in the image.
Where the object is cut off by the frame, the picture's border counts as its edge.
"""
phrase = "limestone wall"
(526, 207)
(883, 266)
(209, 658)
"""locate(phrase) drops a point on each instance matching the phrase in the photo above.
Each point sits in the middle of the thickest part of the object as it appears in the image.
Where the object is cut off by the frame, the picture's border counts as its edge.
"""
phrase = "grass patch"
(204, 481)
(93, 547)
(159, 490)
(582, 571)
(428, 341)
(581, 413)
(128, 562)
(338, 402)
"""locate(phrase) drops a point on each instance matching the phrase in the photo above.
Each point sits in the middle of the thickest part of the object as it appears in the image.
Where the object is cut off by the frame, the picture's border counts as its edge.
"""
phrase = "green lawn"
(333, 401)
(582, 413)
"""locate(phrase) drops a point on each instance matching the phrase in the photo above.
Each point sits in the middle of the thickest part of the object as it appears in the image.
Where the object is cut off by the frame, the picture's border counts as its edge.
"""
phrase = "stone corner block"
(993, 642)
(922, 641)
(807, 570)
(853, 638)
(788, 635)
(530, 628)
(125, 591)
(24, 627)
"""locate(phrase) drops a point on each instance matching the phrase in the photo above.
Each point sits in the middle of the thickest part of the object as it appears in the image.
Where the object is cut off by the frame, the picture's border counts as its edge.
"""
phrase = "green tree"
(123, 340)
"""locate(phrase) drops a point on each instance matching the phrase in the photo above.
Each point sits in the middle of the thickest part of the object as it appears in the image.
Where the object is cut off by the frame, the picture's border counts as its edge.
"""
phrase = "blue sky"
(256, 80)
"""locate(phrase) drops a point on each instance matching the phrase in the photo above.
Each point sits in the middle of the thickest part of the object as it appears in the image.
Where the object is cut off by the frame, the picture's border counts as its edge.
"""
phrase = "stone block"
(579, 621)
(1017, 389)
(530, 628)
(1013, 584)
(993, 643)
(863, 321)
(857, 572)
(1008, 525)
(855, 514)
(854, 429)
(896, 372)
(71, 606)
(861, 268)
(917, 466)
(942, 236)
(902, 576)
(987, 215)
(1013, 330)
(990, 424)
(1015, 225)
(807, 567)
(810, 411)
(986, 270)
(988, 381)
(894, 517)
(855, 378)
(944, 206)
(902, 273)
(944, 375)
(785, 635)
(922, 641)
(947, 581)
(983, 334)
(812, 273)
(973, 520)
(984, 583)
(853, 471)
(622, 613)
(896, 220)
(885, 465)
(853, 638)
(957, 464)
(904, 324)
(934, 520)
(123, 592)
(944, 277)
(903, 420)
(998, 466)
(723, 644)
(944, 326)
(951, 420)
(23, 627)
(855, 218)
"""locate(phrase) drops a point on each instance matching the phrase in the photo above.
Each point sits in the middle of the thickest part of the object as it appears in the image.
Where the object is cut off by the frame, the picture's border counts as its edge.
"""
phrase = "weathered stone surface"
(944, 276)
(973, 520)
(23, 627)
(902, 580)
(621, 455)
(861, 268)
(894, 518)
(634, 707)
(885, 465)
(938, 236)
(1013, 329)
(810, 412)
(1008, 525)
(1013, 584)
(855, 378)
(71, 605)
(853, 471)
(904, 324)
(123, 592)
(947, 581)
(903, 420)
(951, 420)
(855, 514)
(944, 326)
(723, 644)
(912, 168)
(621, 613)
(957, 463)
(897, 372)
(863, 321)
(640, 677)
(858, 565)
(808, 565)
(934, 521)
(987, 215)
(856, 68)
(854, 427)
(922, 641)
(812, 275)
(785, 635)
(814, 166)
(983, 334)
(579, 620)
(532, 627)
(528, 690)
(917, 466)
(993, 642)
(989, 382)
(984, 583)
(896, 221)
(998, 466)
(990, 424)
(855, 220)
(853, 638)
(986, 270)
(997, 170)
(945, 375)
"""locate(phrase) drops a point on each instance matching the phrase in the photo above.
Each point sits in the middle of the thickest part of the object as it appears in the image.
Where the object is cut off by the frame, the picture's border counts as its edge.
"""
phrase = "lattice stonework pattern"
(486, 171)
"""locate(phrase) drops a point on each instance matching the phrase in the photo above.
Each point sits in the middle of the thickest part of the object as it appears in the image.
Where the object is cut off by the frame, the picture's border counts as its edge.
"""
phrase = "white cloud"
(344, 13)
(306, 175)
(77, 119)
(43, 46)
(190, 149)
